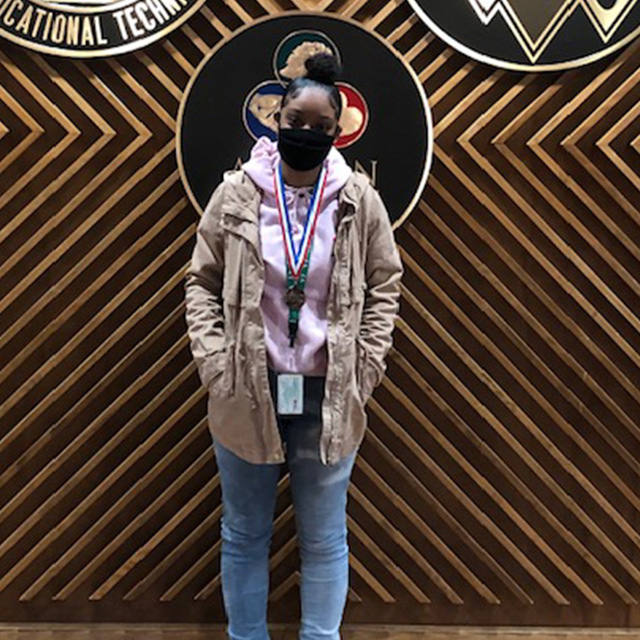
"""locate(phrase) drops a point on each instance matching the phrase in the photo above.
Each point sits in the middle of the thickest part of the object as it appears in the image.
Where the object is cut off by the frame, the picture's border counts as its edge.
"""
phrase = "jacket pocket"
(222, 382)
(240, 226)
(229, 375)
(233, 301)
(232, 277)
(216, 368)
(364, 380)
(344, 258)
(357, 277)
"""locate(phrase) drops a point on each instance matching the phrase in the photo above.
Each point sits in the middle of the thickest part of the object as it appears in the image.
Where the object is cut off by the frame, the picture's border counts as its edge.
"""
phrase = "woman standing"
(291, 299)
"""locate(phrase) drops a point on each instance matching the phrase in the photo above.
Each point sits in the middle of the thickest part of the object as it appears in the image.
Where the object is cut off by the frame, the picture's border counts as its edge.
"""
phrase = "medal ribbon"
(297, 261)
(295, 258)
(294, 314)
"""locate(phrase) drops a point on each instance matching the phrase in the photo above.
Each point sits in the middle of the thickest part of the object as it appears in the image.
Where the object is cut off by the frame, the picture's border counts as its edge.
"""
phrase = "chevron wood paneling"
(498, 483)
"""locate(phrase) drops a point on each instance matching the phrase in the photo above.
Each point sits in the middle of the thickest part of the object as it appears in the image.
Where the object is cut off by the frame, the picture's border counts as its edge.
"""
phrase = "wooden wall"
(498, 483)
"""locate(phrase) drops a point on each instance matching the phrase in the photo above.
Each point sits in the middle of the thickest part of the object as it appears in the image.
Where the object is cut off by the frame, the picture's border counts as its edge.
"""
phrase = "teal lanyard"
(294, 313)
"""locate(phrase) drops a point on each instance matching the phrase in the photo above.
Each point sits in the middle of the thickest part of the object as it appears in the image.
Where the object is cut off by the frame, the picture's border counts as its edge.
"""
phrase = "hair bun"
(323, 68)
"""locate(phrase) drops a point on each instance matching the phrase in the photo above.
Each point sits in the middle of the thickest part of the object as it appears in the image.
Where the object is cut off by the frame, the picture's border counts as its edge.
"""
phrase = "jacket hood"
(264, 159)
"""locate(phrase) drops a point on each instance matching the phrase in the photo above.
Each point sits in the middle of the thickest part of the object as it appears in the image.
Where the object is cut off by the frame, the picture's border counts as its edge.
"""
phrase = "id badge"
(290, 393)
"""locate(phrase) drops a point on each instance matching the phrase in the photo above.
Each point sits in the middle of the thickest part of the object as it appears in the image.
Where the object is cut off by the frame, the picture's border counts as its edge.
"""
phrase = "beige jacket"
(224, 286)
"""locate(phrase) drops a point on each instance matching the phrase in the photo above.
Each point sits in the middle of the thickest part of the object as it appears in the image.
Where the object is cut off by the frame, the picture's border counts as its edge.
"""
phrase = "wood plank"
(56, 631)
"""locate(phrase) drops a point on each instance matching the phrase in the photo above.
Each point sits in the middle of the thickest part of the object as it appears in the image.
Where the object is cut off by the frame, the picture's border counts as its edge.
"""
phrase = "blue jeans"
(319, 496)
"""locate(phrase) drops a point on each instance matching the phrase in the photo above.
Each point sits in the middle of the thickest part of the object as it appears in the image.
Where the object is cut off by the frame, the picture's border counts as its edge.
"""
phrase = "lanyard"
(297, 258)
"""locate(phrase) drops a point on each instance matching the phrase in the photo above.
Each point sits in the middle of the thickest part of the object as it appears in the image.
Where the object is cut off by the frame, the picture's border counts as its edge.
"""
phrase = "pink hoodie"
(308, 355)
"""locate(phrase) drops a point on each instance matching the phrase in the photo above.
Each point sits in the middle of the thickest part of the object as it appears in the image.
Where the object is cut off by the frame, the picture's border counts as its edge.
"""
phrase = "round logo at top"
(231, 100)
(533, 35)
(291, 53)
(91, 28)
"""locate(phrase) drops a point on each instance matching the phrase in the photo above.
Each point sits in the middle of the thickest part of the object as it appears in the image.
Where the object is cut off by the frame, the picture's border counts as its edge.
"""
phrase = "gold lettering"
(57, 33)
(4, 6)
(47, 26)
(98, 27)
(172, 5)
(8, 18)
(73, 30)
(39, 13)
(23, 23)
(120, 22)
(158, 11)
(373, 176)
(133, 23)
(87, 33)
(141, 8)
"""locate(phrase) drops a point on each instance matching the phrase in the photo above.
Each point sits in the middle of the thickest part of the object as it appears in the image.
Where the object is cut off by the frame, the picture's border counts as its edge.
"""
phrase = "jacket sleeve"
(383, 272)
(203, 291)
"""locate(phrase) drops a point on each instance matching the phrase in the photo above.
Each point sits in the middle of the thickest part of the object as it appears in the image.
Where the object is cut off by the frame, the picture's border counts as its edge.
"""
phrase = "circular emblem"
(289, 57)
(260, 107)
(91, 28)
(533, 35)
(233, 95)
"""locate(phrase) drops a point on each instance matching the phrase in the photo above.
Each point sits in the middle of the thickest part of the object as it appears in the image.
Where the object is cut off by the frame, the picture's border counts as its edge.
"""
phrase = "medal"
(295, 297)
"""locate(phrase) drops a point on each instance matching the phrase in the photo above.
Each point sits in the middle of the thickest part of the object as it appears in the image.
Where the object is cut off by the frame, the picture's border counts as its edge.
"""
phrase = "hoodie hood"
(264, 159)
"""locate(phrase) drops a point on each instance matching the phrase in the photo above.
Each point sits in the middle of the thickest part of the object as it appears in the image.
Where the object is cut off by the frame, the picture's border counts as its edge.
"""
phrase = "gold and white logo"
(91, 28)
(533, 35)
(535, 24)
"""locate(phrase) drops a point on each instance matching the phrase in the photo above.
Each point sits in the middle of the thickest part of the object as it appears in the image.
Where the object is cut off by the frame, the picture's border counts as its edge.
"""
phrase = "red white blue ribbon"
(297, 256)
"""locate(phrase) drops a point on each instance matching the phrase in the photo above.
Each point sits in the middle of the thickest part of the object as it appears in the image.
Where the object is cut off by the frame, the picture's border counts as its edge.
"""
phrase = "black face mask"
(303, 149)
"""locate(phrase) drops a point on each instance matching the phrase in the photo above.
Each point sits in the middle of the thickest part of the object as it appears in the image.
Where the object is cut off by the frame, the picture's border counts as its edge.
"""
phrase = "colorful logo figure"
(355, 115)
(291, 53)
(289, 63)
(260, 108)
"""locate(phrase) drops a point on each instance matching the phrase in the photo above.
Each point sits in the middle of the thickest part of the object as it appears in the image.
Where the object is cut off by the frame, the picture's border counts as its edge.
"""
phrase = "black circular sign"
(533, 35)
(91, 28)
(231, 98)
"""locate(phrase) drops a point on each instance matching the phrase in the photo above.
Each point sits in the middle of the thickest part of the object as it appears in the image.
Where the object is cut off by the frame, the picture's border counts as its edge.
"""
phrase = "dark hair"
(322, 71)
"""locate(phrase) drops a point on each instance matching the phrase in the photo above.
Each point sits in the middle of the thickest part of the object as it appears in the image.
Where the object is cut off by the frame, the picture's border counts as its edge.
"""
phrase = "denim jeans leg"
(249, 494)
(320, 501)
